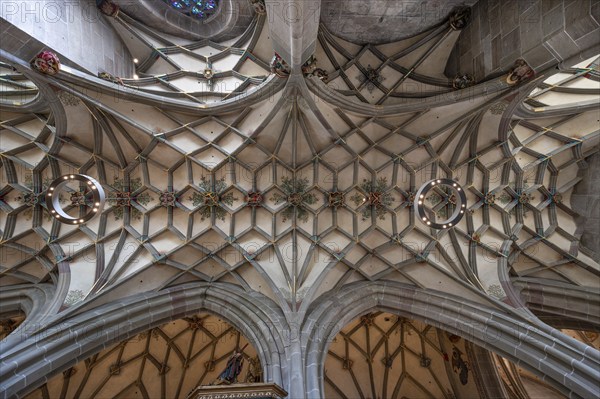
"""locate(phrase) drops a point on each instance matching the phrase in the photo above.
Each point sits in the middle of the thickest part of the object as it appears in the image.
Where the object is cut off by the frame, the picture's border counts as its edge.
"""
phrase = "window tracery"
(200, 9)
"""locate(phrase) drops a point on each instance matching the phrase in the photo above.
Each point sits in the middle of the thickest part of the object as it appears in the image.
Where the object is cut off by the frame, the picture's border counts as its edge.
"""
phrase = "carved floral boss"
(445, 194)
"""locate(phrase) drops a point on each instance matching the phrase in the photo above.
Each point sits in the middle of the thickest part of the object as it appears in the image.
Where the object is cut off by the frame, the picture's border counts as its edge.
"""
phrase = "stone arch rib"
(28, 364)
(569, 365)
(31, 299)
(561, 305)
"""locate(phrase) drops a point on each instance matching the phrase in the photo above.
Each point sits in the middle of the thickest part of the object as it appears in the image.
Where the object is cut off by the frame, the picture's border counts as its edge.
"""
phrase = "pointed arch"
(538, 348)
(62, 344)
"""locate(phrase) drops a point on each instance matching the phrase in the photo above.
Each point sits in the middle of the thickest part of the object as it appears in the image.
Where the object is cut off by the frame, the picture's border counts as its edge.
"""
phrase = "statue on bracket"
(233, 368)
(459, 365)
(254, 373)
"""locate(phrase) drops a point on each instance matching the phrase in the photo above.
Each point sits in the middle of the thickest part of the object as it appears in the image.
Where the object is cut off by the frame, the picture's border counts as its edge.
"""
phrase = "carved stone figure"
(460, 18)
(463, 81)
(233, 368)
(107, 7)
(520, 72)
(254, 373)
(460, 366)
(320, 73)
(279, 66)
(310, 65)
(110, 78)
(46, 62)
(259, 6)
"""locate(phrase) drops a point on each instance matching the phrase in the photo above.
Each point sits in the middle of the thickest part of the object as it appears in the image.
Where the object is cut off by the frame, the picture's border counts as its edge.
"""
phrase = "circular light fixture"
(453, 188)
(53, 201)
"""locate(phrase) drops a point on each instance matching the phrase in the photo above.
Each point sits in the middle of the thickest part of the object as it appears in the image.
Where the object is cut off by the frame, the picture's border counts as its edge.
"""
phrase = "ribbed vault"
(261, 325)
(169, 360)
(498, 332)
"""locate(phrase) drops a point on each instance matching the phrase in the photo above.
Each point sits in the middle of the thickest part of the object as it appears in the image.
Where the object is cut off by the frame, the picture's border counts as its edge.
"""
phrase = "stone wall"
(543, 32)
(585, 200)
(75, 29)
(384, 21)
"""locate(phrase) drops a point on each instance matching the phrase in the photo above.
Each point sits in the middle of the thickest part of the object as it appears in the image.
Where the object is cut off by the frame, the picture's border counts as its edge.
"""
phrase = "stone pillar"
(296, 386)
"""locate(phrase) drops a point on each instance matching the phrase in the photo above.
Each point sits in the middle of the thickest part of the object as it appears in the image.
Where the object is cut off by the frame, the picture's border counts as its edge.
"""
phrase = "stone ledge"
(255, 390)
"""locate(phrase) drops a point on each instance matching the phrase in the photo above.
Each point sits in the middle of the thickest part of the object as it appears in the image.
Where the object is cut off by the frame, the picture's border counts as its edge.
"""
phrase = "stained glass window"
(200, 9)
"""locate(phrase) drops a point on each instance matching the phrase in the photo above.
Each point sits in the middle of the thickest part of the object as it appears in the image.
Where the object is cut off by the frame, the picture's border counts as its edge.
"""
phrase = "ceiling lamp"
(94, 203)
(452, 197)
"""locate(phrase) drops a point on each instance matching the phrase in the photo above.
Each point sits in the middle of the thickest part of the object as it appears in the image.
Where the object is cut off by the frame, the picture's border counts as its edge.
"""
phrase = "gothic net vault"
(261, 163)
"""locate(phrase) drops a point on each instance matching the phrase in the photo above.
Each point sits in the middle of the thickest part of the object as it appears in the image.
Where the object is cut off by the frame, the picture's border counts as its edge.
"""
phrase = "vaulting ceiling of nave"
(263, 180)
(261, 136)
